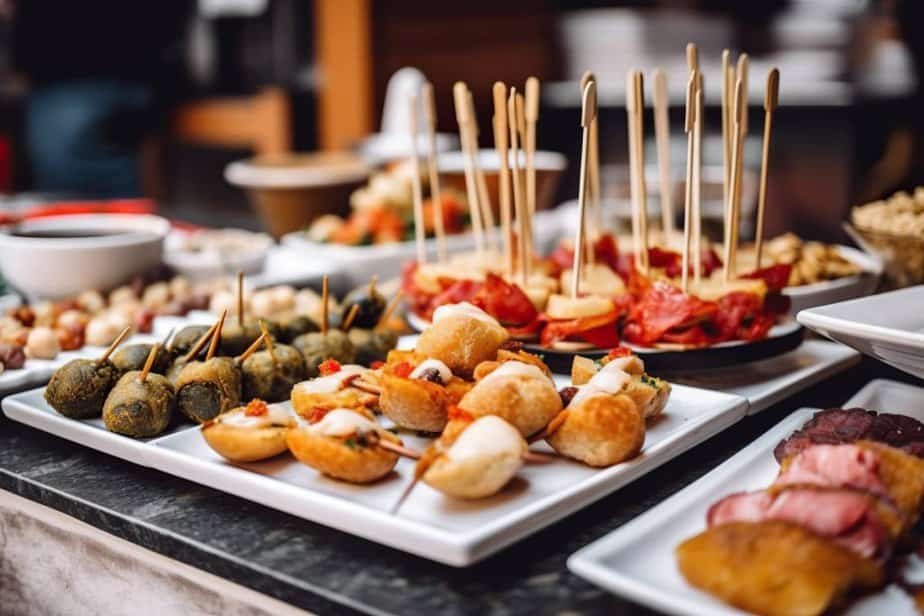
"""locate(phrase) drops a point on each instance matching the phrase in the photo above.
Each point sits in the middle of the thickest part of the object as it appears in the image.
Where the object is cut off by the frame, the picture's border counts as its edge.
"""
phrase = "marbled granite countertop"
(327, 571)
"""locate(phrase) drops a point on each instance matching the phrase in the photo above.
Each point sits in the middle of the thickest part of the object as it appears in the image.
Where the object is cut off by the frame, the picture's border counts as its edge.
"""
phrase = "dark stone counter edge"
(284, 588)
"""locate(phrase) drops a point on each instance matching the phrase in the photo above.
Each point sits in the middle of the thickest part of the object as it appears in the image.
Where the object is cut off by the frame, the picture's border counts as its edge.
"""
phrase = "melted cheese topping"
(342, 423)
(462, 309)
(610, 380)
(515, 368)
(432, 364)
(488, 436)
(331, 383)
(629, 363)
(275, 415)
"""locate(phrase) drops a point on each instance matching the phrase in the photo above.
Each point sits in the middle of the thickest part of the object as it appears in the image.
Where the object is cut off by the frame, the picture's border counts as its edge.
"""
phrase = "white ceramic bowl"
(112, 249)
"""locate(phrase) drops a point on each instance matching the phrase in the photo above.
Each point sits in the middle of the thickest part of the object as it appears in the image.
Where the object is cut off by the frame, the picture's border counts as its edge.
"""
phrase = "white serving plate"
(456, 533)
(888, 326)
(359, 263)
(636, 561)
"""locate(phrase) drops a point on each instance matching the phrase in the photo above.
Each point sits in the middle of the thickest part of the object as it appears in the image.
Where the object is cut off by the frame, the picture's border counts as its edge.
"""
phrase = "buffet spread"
(540, 376)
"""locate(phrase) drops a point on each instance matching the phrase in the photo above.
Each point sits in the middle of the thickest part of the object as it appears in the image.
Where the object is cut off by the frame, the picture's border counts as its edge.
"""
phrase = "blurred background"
(114, 99)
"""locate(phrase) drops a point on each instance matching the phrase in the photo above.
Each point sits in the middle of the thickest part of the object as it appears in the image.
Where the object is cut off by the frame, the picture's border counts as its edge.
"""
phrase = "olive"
(273, 381)
(79, 388)
(371, 306)
(139, 409)
(133, 357)
(186, 338)
(318, 347)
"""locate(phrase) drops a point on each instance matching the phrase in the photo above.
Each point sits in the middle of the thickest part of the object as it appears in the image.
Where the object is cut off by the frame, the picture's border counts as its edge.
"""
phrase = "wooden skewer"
(200, 343)
(390, 308)
(366, 386)
(115, 344)
(518, 204)
(420, 469)
(240, 299)
(372, 282)
(741, 73)
(535, 457)
(688, 127)
(639, 93)
(429, 105)
(240, 359)
(697, 184)
(324, 315)
(528, 215)
(503, 171)
(268, 340)
(471, 189)
(726, 124)
(633, 163)
(731, 236)
(484, 199)
(398, 449)
(350, 317)
(168, 339)
(692, 57)
(771, 100)
(531, 117)
(149, 362)
(594, 222)
(216, 336)
(663, 142)
(588, 113)
(416, 190)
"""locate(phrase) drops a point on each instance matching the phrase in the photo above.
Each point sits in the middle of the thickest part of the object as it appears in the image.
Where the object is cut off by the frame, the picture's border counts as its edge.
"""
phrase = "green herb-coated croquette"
(79, 388)
(270, 381)
(139, 409)
(204, 389)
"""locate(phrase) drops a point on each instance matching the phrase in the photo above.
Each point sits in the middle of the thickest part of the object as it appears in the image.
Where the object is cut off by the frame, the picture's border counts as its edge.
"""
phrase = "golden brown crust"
(240, 444)
(462, 343)
(351, 398)
(417, 404)
(526, 402)
(343, 459)
(773, 568)
(601, 430)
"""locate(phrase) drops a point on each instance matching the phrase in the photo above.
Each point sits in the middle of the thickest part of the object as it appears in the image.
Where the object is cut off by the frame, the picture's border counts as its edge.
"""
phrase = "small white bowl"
(101, 251)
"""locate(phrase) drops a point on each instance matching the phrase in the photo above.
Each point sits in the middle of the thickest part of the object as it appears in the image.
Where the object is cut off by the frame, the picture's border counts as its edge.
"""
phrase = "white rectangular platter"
(430, 525)
(636, 561)
(888, 326)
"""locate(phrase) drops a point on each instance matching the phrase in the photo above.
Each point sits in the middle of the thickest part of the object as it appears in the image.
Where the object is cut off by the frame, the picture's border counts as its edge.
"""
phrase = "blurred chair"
(261, 123)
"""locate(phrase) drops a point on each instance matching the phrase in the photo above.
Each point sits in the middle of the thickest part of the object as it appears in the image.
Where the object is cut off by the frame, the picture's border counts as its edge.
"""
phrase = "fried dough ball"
(343, 445)
(418, 404)
(462, 336)
(479, 462)
(519, 393)
(249, 433)
(600, 430)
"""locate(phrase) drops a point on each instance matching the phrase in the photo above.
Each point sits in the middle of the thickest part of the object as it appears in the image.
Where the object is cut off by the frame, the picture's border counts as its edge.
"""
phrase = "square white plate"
(430, 525)
(636, 561)
(888, 326)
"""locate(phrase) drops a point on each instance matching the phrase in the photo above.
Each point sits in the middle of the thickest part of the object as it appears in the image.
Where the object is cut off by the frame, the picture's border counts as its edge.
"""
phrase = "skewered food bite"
(186, 338)
(236, 336)
(79, 388)
(521, 393)
(292, 325)
(371, 305)
(249, 433)
(204, 389)
(133, 357)
(475, 459)
(139, 407)
(462, 336)
(270, 374)
(334, 389)
(417, 393)
(344, 445)
(372, 345)
(318, 347)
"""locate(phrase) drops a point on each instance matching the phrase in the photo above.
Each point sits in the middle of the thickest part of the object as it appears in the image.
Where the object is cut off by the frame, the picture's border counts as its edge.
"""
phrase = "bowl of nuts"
(893, 228)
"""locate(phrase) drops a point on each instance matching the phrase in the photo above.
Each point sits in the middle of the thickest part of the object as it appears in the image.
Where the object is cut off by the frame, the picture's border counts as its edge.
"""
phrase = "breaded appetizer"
(462, 336)
(333, 390)
(344, 444)
(418, 396)
(249, 433)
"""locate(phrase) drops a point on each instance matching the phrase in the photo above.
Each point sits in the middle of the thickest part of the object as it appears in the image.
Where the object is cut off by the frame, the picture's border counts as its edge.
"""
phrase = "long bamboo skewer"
(731, 248)
(240, 299)
(325, 317)
(588, 113)
(416, 189)
(429, 105)
(503, 171)
(149, 362)
(689, 128)
(741, 73)
(518, 197)
(594, 222)
(471, 190)
(771, 100)
(484, 199)
(114, 345)
(216, 336)
(726, 124)
(633, 162)
(697, 183)
(528, 222)
(640, 169)
(663, 142)
(199, 344)
(531, 117)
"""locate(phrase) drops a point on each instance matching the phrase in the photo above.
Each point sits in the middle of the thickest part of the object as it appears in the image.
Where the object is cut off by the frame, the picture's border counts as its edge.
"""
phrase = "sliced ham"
(840, 466)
